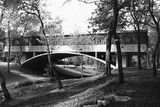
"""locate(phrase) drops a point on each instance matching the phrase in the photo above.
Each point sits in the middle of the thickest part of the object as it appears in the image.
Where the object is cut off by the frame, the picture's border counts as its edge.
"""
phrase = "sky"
(74, 14)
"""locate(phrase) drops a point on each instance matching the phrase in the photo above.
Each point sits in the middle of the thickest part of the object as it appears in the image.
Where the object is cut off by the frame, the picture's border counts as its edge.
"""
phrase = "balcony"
(83, 48)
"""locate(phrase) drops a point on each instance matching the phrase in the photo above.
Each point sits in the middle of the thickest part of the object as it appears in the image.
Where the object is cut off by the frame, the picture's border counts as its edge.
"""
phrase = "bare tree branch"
(124, 4)
(89, 1)
(84, 1)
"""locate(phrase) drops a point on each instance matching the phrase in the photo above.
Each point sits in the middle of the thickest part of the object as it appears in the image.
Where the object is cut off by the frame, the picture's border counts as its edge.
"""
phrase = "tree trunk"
(158, 57)
(108, 49)
(139, 48)
(150, 8)
(120, 69)
(154, 56)
(51, 67)
(148, 65)
(110, 57)
(9, 48)
(109, 53)
(19, 57)
(155, 52)
(154, 64)
(106, 66)
(117, 40)
(4, 88)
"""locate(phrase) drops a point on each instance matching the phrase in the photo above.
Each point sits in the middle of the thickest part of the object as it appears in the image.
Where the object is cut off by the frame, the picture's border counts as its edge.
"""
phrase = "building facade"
(91, 44)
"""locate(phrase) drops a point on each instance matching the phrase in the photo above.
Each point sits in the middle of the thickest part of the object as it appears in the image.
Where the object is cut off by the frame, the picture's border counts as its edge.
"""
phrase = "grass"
(139, 90)
(139, 86)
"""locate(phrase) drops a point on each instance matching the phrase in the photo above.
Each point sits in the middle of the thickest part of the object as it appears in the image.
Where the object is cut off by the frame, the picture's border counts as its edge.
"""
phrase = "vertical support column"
(24, 58)
(128, 59)
(34, 54)
(96, 63)
(124, 60)
(82, 66)
(96, 53)
(116, 61)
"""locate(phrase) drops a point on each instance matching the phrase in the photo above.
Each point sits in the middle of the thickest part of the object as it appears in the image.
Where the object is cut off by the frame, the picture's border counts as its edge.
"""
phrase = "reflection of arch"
(39, 62)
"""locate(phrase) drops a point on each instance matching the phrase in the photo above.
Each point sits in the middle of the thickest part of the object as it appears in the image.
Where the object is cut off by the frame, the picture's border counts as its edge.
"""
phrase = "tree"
(102, 19)
(17, 29)
(18, 41)
(138, 12)
(113, 29)
(33, 8)
(109, 12)
(152, 36)
(4, 88)
(2, 79)
(109, 17)
(26, 26)
(4, 5)
(9, 47)
(155, 16)
(54, 31)
(108, 54)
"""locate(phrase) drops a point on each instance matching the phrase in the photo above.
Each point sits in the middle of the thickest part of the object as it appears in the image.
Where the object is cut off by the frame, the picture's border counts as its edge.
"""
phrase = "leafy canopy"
(102, 18)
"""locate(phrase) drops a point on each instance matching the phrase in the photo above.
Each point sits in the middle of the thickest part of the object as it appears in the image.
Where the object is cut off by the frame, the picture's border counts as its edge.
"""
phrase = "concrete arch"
(39, 62)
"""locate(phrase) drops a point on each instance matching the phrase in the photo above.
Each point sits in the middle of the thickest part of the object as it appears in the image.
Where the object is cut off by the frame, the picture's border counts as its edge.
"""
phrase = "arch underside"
(38, 62)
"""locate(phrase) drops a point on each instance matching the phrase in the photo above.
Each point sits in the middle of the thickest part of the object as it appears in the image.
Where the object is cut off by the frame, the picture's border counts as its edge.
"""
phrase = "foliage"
(102, 18)
(33, 8)
(34, 38)
(155, 18)
(54, 31)
(137, 13)
(10, 5)
(110, 17)
(54, 27)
